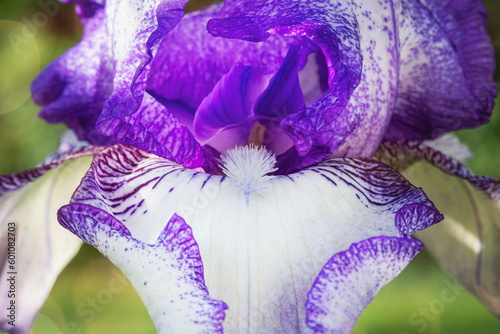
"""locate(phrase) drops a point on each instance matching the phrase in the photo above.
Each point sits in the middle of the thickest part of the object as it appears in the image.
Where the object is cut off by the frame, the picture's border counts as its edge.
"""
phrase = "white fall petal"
(261, 255)
(42, 247)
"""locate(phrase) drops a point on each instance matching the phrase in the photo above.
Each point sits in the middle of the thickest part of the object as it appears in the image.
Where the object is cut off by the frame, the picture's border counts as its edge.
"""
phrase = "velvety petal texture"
(108, 68)
(168, 275)
(246, 106)
(75, 86)
(355, 275)
(261, 250)
(447, 64)
(42, 246)
(466, 242)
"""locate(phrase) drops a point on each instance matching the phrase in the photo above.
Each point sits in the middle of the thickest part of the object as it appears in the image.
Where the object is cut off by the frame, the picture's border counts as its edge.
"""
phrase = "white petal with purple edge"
(42, 247)
(351, 279)
(261, 251)
(168, 275)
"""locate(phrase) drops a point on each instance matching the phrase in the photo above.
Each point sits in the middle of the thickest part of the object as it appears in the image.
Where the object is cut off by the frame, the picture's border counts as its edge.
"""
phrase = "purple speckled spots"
(447, 64)
(351, 279)
(183, 304)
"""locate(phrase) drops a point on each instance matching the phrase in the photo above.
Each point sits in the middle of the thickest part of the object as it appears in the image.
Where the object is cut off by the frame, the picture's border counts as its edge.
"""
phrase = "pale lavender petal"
(351, 279)
(447, 65)
(168, 275)
(269, 247)
(466, 242)
(75, 86)
(42, 247)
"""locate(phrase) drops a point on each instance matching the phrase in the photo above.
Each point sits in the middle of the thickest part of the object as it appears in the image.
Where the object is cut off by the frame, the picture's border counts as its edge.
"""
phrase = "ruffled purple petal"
(154, 129)
(168, 275)
(360, 44)
(137, 28)
(28, 207)
(351, 279)
(190, 62)
(447, 65)
(261, 253)
(466, 242)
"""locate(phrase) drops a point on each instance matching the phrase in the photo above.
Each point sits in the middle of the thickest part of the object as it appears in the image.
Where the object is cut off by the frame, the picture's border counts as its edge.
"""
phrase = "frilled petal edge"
(351, 279)
(261, 251)
(168, 275)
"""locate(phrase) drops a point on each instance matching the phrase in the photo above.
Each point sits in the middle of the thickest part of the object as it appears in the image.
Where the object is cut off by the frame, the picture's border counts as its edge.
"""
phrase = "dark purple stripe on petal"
(16, 181)
(351, 279)
(400, 155)
(154, 129)
(376, 184)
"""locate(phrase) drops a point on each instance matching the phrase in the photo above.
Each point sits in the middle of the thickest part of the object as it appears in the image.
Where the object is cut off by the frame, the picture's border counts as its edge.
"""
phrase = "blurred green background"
(82, 300)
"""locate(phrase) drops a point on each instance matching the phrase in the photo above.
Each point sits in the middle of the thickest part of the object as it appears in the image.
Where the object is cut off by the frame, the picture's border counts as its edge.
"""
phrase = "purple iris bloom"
(234, 179)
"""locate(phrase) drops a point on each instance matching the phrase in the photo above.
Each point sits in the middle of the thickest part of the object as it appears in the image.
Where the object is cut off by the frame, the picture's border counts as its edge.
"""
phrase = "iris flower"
(247, 156)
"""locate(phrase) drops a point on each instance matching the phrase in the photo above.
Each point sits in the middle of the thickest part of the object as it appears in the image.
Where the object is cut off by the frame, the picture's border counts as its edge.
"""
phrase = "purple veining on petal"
(168, 275)
(416, 217)
(359, 199)
(16, 181)
(351, 279)
(154, 129)
(413, 210)
(402, 154)
(447, 65)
